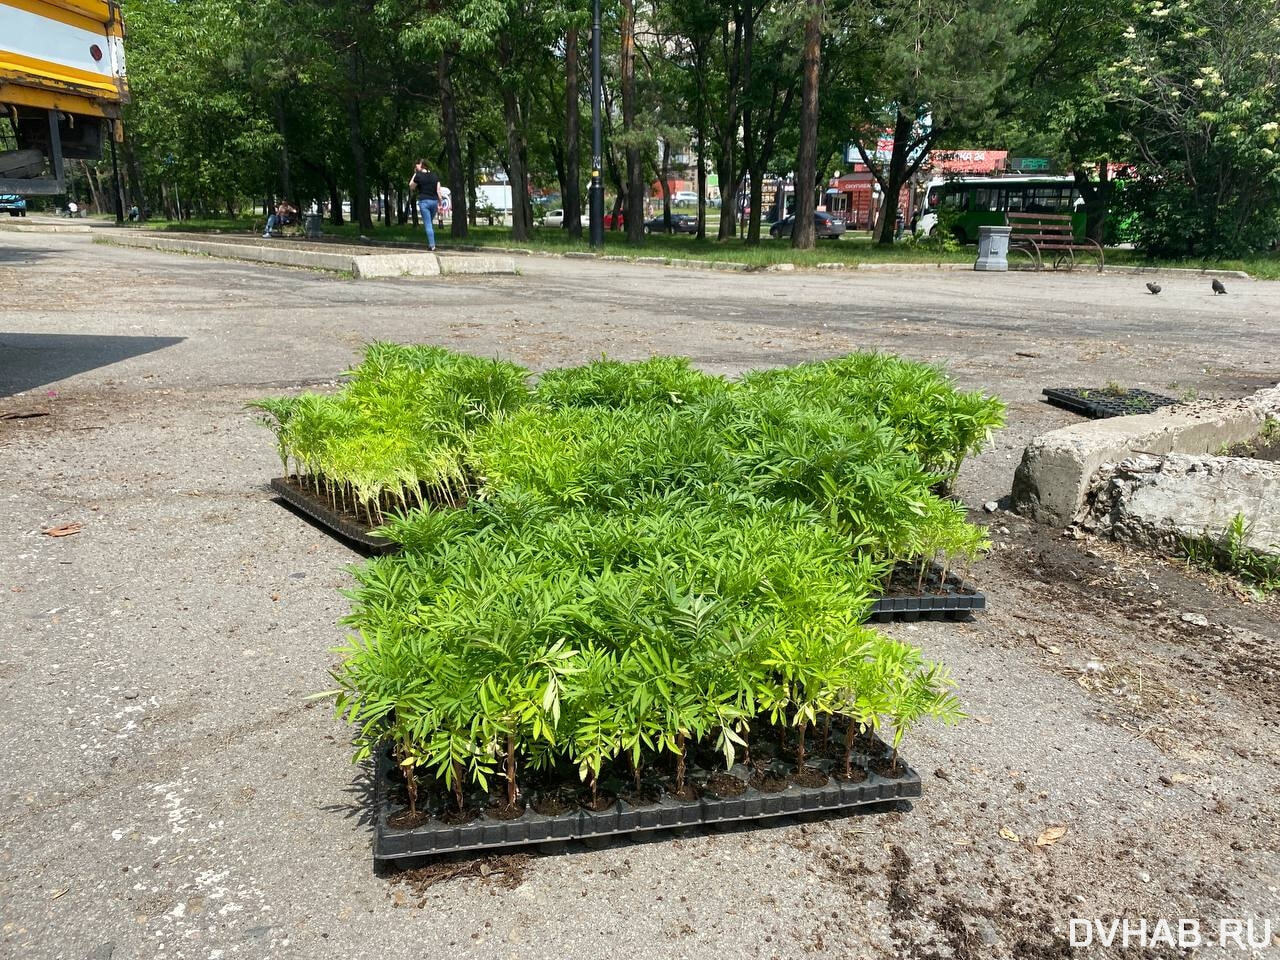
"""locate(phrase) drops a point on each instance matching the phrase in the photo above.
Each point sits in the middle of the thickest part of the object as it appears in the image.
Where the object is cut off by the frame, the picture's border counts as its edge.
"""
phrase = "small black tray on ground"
(344, 525)
(1098, 403)
(928, 606)
(908, 596)
(485, 833)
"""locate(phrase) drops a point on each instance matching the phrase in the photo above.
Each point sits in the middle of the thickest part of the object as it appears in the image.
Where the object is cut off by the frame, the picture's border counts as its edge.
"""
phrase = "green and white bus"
(963, 204)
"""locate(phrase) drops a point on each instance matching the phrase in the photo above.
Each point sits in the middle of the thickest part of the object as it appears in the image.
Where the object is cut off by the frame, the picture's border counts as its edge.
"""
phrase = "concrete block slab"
(484, 263)
(396, 265)
(1051, 482)
(1158, 501)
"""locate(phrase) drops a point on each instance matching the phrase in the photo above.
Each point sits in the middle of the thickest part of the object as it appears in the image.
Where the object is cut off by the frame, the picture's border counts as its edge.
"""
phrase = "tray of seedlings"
(1113, 400)
(635, 596)
(937, 595)
(558, 807)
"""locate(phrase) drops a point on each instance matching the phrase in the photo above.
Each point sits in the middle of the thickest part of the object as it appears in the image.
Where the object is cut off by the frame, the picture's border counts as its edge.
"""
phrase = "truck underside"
(62, 85)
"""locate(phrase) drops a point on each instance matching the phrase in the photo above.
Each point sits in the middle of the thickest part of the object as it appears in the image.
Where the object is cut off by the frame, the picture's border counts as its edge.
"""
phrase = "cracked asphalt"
(169, 791)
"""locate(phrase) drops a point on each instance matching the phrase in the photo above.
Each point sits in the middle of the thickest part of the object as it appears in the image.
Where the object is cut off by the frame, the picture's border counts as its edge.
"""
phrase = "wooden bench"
(1037, 234)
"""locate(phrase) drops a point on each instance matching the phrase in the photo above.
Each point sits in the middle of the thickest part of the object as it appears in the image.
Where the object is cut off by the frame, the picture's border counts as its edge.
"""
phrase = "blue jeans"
(427, 210)
(272, 222)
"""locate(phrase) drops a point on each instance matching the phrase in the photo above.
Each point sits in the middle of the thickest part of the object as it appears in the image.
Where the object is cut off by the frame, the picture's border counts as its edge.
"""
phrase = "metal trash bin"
(993, 249)
(311, 225)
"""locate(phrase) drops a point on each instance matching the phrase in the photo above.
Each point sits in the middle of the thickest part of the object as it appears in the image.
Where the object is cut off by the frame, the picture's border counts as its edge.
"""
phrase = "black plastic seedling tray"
(318, 509)
(435, 838)
(1098, 404)
(928, 606)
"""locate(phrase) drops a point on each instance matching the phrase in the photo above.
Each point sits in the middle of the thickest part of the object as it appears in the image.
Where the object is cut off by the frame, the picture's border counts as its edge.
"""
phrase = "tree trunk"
(572, 193)
(700, 66)
(360, 177)
(802, 232)
(895, 179)
(453, 149)
(335, 200)
(286, 174)
(471, 181)
(635, 182)
(665, 174)
(521, 228)
(1097, 201)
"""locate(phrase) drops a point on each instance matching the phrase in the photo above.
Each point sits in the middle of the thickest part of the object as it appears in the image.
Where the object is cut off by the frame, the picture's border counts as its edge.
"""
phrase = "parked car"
(609, 218)
(554, 218)
(825, 227)
(680, 223)
(685, 196)
(14, 204)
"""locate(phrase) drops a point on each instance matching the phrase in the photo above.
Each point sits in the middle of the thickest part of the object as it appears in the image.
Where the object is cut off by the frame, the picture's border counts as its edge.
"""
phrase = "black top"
(428, 185)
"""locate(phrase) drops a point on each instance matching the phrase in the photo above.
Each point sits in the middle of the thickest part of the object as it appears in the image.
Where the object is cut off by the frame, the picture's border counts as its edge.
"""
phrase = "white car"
(684, 196)
(554, 218)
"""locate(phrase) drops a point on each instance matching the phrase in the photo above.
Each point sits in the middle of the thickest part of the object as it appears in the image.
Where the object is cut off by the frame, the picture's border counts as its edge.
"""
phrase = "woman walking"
(428, 186)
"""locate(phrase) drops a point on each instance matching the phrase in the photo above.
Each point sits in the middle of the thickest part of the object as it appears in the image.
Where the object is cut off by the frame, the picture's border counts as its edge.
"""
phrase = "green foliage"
(610, 383)
(397, 433)
(648, 560)
(1198, 86)
(1230, 553)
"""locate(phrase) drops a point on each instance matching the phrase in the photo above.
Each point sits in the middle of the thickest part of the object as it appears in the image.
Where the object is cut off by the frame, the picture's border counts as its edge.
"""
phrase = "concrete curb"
(1057, 468)
(359, 265)
(47, 227)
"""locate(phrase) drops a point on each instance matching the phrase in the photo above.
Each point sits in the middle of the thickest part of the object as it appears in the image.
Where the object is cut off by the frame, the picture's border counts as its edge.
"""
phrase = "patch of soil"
(646, 796)
(500, 811)
(766, 782)
(455, 817)
(404, 820)
(603, 801)
(687, 793)
(724, 785)
(885, 767)
(808, 777)
(552, 804)
(856, 774)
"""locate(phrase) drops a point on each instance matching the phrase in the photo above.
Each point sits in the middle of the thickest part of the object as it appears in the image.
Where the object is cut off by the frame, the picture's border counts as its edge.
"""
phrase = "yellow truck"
(62, 85)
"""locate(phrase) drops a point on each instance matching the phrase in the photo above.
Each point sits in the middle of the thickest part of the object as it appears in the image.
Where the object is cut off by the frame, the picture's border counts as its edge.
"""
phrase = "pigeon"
(1218, 287)
(1154, 288)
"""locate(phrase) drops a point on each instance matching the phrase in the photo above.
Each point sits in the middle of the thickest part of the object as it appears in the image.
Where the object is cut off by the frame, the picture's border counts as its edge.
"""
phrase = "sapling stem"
(800, 728)
(457, 784)
(680, 763)
(848, 748)
(511, 771)
(826, 733)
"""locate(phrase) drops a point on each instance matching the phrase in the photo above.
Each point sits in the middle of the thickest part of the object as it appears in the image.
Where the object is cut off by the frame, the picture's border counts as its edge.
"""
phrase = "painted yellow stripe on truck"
(102, 18)
(49, 100)
(16, 67)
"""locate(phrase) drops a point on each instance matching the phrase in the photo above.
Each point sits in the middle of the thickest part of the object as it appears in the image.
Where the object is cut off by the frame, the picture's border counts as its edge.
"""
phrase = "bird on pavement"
(1154, 288)
(1218, 287)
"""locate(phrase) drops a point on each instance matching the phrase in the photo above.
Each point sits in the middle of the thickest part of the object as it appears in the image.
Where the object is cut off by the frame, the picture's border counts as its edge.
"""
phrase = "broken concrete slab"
(1051, 482)
(1159, 501)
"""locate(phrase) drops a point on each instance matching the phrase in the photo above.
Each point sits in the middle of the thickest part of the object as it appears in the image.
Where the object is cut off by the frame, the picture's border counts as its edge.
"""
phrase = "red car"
(622, 221)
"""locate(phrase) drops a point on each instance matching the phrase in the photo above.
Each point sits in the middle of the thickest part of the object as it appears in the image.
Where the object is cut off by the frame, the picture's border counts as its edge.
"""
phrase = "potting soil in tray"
(345, 524)
(1098, 403)
(905, 600)
(761, 796)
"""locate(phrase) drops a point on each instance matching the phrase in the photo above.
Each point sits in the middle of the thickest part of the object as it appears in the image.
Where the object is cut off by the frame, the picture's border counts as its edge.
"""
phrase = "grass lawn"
(852, 248)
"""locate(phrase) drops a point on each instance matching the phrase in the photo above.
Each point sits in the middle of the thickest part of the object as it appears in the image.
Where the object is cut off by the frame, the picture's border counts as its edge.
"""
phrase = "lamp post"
(595, 193)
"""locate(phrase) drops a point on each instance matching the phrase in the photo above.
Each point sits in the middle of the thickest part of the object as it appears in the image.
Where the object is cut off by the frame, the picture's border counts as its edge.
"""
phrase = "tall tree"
(802, 230)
